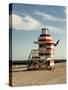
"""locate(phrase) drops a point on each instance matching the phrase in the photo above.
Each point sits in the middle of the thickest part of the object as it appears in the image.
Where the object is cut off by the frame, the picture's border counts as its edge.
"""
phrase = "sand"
(40, 77)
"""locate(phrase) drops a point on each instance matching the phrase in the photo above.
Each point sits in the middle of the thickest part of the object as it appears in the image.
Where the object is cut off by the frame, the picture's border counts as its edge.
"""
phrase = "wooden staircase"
(36, 60)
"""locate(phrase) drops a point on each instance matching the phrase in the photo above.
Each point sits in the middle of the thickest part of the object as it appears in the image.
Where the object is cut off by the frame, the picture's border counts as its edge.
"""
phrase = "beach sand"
(40, 77)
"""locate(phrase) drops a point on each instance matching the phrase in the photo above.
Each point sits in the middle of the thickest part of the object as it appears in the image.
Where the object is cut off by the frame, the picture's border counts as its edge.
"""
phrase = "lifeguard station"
(43, 57)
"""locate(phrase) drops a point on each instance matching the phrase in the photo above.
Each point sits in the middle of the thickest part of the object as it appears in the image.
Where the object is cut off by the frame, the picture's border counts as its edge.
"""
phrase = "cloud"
(23, 23)
(48, 17)
(29, 23)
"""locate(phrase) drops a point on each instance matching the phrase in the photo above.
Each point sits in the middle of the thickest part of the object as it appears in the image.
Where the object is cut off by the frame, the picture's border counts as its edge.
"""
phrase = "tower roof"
(44, 30)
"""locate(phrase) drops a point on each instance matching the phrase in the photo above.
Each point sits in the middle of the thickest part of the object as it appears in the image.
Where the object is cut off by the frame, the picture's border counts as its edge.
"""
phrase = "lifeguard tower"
(43, 57)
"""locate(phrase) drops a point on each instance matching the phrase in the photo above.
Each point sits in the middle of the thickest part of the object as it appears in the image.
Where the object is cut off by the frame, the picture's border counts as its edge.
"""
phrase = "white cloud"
(48, 17)
(23, 23)
(29, 23)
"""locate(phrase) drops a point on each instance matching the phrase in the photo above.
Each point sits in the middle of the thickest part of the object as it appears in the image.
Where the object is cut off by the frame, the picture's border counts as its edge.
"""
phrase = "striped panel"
(51, 46)
(46, 49)
(41, 50)
(45, 37)
(47, 41)
(51, 49)
(47, 55)
(42, 42)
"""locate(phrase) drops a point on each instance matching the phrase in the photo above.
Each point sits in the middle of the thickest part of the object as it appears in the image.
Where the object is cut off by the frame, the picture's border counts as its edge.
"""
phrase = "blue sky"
(27, 21)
